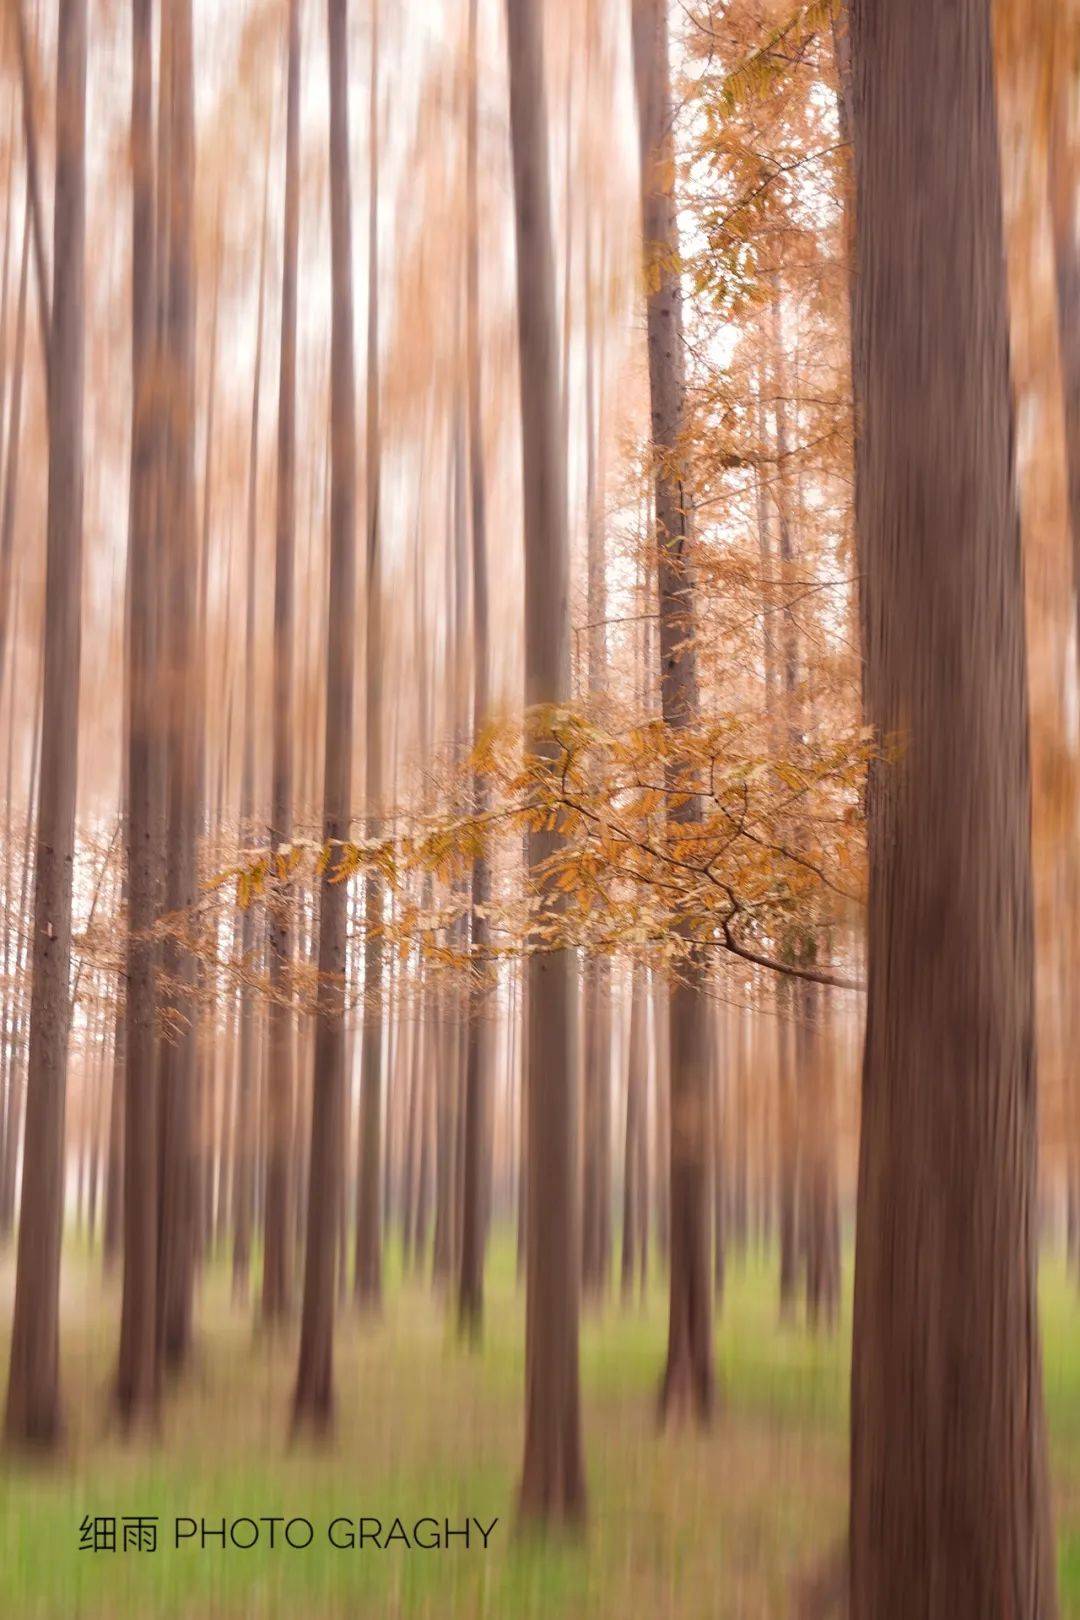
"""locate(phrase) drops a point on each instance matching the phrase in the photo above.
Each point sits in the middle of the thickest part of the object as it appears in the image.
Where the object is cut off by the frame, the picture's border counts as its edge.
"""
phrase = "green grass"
(716, 1526)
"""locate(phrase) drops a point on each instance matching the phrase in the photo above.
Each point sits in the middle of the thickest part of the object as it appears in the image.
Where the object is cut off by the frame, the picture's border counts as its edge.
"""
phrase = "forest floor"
(726, 1526)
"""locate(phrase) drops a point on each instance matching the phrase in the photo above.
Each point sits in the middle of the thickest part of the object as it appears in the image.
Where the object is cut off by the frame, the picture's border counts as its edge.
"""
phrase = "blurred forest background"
(539, 698)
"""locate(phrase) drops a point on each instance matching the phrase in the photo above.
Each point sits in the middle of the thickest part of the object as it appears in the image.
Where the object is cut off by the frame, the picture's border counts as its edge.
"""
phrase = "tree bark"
(313, 1399)
(552, 1486)
(178, 1055)
(635, 1224)
(247, 1076)
(368, 1276)
(949, 1493)
(33, 1398)
(138, 1367)
(687, 1386)
(478, 1051)
(277, 1252)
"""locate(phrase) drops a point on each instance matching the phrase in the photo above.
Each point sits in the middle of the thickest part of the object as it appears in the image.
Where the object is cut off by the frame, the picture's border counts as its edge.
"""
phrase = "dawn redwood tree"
(277, 1267)
(949, 1494)
(313, 1399)
(553, 1484)
(33, 1397)
(137, 1372)
(687, 1387)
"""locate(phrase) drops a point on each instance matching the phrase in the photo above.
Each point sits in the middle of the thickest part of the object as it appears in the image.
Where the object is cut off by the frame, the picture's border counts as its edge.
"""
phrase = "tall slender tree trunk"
(687, 1387)
(552, 1486)
(596, 1211)
(481, 992)
(635, 1196)
(368, 1276)
(949, 1492)
(247, 1089)
(178, 1054)
(33, 1397)
(9, 506)
(313, 1400)
(1064, 165)
(13, 1125)
(277, 1266)
(137, 1372)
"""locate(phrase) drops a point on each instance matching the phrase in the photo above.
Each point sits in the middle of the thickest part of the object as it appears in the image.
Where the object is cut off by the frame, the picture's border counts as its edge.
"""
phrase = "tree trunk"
(313, 1400)
(687, 1387)
(33, 1398)
(178, 1054)
(478, 1052)
(137, 1372)
(13, 1123)
(368, 1276)
(949, 1492)
(552, 1486)
(635, 1195)
(277, 1266)
(14, 443)
(247, 1076)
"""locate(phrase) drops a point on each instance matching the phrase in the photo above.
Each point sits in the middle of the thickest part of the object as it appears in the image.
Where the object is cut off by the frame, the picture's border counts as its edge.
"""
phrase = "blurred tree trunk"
(596, 1210)
(137, 1372)
(112, 1233)
(635, 1223)
(12, 918)
(687, 1387)
(660, 1025)
(9, 506)
(368, 1275)
(719, 1070)
(1063, 180)
(10, 1099)
(33, 1398)
(277, 1266)
(949, 1493)
(178, 1053)
(247, 1077)
(796, 997)
(16, 1095)
(5, 270)
(313, 1400)
(552, 1486)
(476, 1145)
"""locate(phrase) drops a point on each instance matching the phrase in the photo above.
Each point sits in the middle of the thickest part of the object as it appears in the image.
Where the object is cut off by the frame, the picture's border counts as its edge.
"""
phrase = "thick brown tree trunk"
(687, 1387)
(313, 1399)
(552, 1485)
(949, 1493)
(33, 1397)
